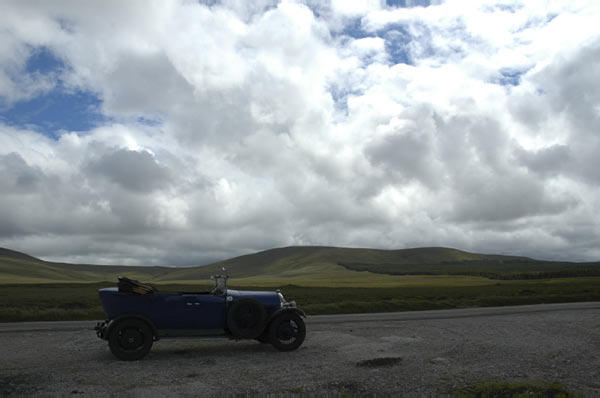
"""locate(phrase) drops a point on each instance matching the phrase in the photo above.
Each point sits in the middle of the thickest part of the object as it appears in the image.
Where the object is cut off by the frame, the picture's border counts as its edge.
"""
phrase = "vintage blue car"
(138, 315)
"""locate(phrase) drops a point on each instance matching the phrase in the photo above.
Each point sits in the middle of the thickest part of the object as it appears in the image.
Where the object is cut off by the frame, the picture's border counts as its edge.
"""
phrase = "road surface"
(424, 352)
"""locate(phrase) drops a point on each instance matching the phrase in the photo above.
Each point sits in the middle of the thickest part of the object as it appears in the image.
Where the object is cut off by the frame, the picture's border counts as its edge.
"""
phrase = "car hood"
(267, 298)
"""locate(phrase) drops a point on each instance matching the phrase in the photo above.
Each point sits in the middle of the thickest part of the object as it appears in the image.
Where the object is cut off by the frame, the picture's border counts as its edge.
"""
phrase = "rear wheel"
(130, 340)
(287, 332)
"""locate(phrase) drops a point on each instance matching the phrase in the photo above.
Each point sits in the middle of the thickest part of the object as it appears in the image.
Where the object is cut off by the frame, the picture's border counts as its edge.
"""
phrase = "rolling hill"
(309, 265)
(17, 267)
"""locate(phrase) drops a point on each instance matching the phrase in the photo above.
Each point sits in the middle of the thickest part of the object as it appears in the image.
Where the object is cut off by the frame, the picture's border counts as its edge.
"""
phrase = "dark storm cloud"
(136, 79)
(17, 177)
(485, 184)
(406, 155)
(575, 93)
(484, 198)
(132, 170)
(571, 85)
(34, 201)
(567, 91)
(546, 162)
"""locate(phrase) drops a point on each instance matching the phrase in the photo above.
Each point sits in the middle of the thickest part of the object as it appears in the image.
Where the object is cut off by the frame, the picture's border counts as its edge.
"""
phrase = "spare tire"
(246, 318)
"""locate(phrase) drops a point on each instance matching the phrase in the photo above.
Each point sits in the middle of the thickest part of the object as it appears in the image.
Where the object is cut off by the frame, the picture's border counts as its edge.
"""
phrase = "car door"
(205, 311)
(194, 311)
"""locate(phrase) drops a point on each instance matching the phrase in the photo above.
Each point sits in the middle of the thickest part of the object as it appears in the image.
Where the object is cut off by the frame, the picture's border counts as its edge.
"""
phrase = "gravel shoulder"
(433, 352)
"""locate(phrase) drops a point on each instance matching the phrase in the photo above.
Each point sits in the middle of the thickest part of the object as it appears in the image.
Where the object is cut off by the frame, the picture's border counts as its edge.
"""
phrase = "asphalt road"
(343, 318)
(411, 353)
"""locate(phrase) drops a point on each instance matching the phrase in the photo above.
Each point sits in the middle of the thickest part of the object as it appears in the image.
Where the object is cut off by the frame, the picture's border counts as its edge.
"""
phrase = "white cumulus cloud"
(231, 127)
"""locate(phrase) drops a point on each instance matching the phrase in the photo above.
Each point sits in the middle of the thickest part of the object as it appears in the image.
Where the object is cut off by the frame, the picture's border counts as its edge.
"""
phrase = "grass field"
(496, 388)
(79, 301)
(310, 266)
(323, 280)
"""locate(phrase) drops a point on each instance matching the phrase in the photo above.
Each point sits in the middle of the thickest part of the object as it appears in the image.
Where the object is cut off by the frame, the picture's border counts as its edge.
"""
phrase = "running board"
(166, 333)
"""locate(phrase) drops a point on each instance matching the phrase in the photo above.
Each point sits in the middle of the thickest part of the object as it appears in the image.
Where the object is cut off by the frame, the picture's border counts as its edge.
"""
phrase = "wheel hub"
(286, 332)
(131, 339)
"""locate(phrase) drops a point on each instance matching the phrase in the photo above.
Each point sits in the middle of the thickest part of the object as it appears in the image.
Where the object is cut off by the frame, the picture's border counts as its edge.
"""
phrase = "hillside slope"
(297, 261)
(300, 260)
(17, 267)
(302, 265)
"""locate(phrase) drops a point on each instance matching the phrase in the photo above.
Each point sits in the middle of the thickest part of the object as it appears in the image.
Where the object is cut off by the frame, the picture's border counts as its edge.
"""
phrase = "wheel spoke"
(131, 340)
(287, 332)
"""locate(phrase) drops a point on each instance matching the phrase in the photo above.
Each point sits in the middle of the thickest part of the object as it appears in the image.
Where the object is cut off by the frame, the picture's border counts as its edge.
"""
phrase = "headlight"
(281, 299)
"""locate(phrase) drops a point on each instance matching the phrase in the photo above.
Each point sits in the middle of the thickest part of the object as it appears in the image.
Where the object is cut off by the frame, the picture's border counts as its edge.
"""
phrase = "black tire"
(246, 318)
(130, 339)
(287, 332)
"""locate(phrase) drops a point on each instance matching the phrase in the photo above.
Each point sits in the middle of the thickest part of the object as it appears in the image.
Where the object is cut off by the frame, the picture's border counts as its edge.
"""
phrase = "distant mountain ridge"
(303, 262)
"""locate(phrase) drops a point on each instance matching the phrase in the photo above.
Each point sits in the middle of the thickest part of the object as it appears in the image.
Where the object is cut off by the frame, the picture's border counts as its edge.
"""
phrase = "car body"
(138, 315)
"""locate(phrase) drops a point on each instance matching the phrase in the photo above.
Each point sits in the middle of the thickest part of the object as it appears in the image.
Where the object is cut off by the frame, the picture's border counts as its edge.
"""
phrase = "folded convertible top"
(132, 286)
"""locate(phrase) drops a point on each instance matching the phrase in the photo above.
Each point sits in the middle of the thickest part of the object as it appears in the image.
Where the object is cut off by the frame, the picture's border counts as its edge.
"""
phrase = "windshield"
(220, 284)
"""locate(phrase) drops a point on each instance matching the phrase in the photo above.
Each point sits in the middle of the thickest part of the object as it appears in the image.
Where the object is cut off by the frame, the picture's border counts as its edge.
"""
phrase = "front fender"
(284, 310)
(105, 328)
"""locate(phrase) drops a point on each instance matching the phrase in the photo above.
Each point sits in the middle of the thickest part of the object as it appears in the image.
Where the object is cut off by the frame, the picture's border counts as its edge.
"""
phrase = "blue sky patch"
(396, 41)
(354, 29)
(340, 97)
(43, 61)
(408, 3)
(57, 109)
(148, 121)
(509, 77)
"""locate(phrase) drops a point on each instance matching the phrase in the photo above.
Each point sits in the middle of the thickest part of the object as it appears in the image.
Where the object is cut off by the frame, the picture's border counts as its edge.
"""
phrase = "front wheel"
(287, 332)
(130, 340)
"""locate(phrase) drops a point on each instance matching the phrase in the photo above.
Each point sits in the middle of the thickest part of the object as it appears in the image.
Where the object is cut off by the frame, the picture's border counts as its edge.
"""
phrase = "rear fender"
(114, 322)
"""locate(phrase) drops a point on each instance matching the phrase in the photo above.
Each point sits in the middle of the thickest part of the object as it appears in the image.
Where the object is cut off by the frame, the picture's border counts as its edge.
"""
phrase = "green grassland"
(310, 266)
(496, 388)
(71, 301)
(323, 280)
(17, 267)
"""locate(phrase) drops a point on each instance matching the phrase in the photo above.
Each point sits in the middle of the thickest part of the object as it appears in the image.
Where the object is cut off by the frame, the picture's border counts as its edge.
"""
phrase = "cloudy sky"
(183, 132)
